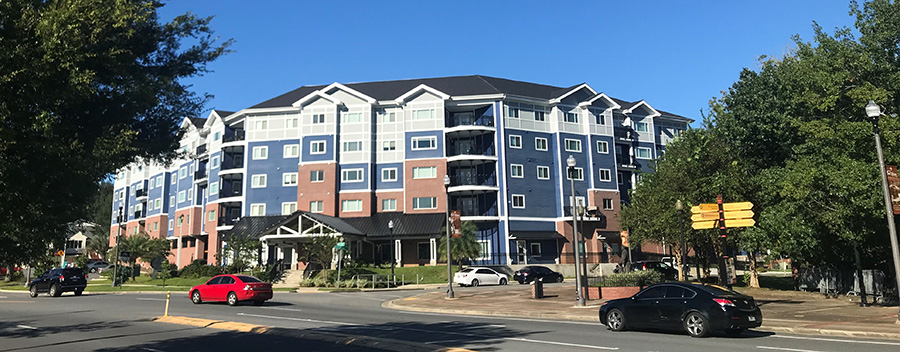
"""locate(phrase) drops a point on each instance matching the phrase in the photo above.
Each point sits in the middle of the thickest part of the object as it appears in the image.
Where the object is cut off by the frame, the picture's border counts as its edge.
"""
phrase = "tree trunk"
(9, 274)
(678, 257)
(754, 275)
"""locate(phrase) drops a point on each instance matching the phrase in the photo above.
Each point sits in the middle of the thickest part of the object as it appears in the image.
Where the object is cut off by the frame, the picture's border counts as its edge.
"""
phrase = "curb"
(833, 332)
(335, 338)
(107, 292)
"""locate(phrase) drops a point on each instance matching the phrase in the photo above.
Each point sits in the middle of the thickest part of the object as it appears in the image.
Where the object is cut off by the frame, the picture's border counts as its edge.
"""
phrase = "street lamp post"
(116, 259)
(584, 252)
(684, 268)
(393, 253)
(579, 300)
(447, 217)
(873, 111)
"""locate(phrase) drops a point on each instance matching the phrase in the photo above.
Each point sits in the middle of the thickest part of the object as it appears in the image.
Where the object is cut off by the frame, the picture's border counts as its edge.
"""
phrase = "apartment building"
(351, 159)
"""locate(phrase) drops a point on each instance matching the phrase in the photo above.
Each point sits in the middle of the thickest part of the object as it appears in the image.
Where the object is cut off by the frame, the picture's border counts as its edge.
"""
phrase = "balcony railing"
(201, 149)
(237, 136)
(467, 149)
(489, 179)
(227, 221)
(488, 208)
(626, 134)
(230, 193)
(138, 193)
(140, 214)
(236, 163)
(199, 174)
(454, 121)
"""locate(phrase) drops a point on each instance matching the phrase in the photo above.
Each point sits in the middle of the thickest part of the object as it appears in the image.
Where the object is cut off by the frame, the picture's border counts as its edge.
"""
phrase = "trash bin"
(537, 289)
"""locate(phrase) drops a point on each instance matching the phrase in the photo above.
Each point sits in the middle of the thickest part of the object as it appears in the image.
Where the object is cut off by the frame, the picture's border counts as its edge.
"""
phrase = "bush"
(640, 278)
(198, 268)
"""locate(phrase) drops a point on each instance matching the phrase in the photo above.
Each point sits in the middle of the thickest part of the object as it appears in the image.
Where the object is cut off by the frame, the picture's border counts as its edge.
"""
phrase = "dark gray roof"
(223, 113)
(404, 224)
(536, 235)
(197, 121)
(254, 226)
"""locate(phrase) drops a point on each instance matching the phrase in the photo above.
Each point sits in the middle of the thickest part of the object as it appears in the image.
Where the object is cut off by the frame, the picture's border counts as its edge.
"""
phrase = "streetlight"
(873, 111)
(393, 254)
(584, 260)
(449, 273)
(116, 259)
(579, 300)
(684, 268)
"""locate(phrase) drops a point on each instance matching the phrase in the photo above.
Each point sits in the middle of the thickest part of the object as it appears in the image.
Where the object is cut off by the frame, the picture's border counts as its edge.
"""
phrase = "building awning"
(536, 235)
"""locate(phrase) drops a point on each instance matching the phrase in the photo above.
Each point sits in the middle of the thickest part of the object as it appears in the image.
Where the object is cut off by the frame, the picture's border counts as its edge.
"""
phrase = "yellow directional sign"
(700, 225)
(713, 207)
(739, 214)
(703, 208)
(737, 206)
(740, 223)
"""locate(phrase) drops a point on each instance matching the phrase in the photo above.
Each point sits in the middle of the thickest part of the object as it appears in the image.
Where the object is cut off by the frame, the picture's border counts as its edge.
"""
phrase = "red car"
(232, 289)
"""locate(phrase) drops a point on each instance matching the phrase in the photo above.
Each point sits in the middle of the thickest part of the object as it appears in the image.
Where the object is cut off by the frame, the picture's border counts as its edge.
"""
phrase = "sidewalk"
(783, 311)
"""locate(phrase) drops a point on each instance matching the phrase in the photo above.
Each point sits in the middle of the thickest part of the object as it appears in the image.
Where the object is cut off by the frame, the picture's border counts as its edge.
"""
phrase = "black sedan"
(697, 309)
(59, 280)
(535, 272)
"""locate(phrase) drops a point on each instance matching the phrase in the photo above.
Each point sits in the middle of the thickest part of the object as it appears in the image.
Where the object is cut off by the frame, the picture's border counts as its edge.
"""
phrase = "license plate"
(751, 318)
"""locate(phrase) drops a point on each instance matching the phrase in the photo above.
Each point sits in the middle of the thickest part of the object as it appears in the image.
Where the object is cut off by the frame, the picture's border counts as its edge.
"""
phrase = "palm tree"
(465, 247)
(141, 246)
(98, 244)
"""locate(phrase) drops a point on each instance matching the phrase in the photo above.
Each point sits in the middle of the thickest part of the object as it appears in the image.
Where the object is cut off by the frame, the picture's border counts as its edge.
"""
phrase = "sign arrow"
(738, 214)
(703, 208)
(740, 223)
(700, 225)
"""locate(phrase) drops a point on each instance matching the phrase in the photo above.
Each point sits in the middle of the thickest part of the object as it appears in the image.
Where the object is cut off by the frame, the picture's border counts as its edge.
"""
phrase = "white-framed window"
(291, 150)
(389, 174)
(182, 196)
(152, 183)
(424, 143)
(174, 179)
(214, 188)
(289, 179)
(388, 204)
(260, 153)
(316, 206)
(579, 174)
(317, 176)
(157, 203)
(518, 201)
(540, 116)
(424, 172)
(172, 201)
(425, 203)
(351, 205)
(317, 147)
(603, 147)
(389, 145)
(292, 123)
(484, 250)
(260, 125)
(318, 118)
(211, 215)
(605, 175)
(217, 136)
(423, 114)
(642, 127)
(353, 146)
(352, 175)
(388, 116)
(258, 209)
(214, 162)
(182, 172)
(516, 170)
(156, 226)
(607, 204)
(352, 117)
(540, 143)
(620, 178)
(515, 141)
(543, 172)
(570, 117)
(535, 250)
(172, 224)
(642, 153)
(258, 181)
(288, 208)
(573, 145)
(513, 112)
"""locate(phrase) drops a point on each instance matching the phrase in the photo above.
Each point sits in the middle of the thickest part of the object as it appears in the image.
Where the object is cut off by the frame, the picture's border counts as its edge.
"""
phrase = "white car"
(475, 276)
(94, 267)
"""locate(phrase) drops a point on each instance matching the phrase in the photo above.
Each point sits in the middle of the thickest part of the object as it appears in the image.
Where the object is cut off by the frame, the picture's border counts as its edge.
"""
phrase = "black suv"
(59, 280)
(535, 272)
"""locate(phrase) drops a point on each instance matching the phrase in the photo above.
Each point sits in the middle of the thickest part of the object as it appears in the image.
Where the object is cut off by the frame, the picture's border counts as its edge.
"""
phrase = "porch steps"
(291, 279)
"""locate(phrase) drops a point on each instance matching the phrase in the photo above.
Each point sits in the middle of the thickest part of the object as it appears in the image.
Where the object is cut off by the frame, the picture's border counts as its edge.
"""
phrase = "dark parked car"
(59, 280)
(533, 272)
(668, 272)
(697, 309)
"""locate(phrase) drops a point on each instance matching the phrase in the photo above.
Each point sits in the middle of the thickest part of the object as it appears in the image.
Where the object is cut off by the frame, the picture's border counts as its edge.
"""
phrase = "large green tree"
(464, 247)
(142, 246)
(86, 87)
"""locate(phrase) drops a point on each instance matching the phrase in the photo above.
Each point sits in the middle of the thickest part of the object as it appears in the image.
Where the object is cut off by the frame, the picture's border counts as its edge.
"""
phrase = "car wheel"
(696, 325)
(521, 282)
(54, 291)
(33, 291)
(474, 283)
(232, 299)
(502, 282)
(195, 297)
(78, 292)
(615, 320)
(258, 303)
(735, 332)
(559, 279)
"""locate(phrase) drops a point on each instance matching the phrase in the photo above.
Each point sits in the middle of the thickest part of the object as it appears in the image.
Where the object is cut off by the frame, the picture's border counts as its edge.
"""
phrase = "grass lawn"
(427, 274)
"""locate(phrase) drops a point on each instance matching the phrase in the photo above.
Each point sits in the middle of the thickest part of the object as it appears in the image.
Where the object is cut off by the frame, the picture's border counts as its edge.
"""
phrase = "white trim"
(312, 151)
(292, 146)
(383, 179)
(512, 168)
(362, 176)
(263, 177)
(261, 206)
(600, 175)
(649, 151)
(539, 167)
(296, 179)
(546, 144)
(604, 143)
(515, 136)
(566, 145)
(513, 201)
(559, 99)
(354, 201)
(653, 112)
(263, 149)
(414, 177)
(413, 143)
(422, 87)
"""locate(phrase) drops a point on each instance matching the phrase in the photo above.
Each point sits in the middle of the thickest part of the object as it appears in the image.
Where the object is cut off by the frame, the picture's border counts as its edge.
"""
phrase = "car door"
(208, 291)
(487, 276)
(42, 281)
(672, 306)
(224, 287)
(644, 311)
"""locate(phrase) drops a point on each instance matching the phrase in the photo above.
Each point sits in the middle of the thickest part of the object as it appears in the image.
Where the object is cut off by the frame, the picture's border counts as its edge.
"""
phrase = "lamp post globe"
(447, 217)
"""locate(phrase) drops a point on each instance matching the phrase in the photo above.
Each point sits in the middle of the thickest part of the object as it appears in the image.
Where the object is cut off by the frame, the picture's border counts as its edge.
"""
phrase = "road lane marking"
(837, 340)
(816, 310)
(298, 319)
(26, 327)
(287, 309)
(3, 297)
(497, 326)
(785, 349)
(492, 317)
(153, 349)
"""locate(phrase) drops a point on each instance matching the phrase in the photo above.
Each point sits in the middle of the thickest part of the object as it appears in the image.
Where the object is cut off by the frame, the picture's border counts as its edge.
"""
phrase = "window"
(515, 141)
(258, 181)
(425, 203)
(388, 204)
(540, 143)
(171, 224)
(484, 249)
(261, 125)
(513, 112)
(211, 215)
(388, 117)
(607, 204)
(543, 172)
(351, 205)
(620, 178)
(289, 179)
(317, 176)
(180, 220)
(260, 153)
(291, 150)
(389, 175)
(135, 232)
(535, 250)
(214, 162)
(570, 117)
(518, 201)
(172, 201)
(158, 203)
(353, 146)
(579, 174)
(174, 180)
(292, 123)
(156, 226)
(316, 206)
(423, 114)
(642, 153)
(182, 172)
(181, 196)
(573, 145)
(317, 147)
(642, 127)
(258, 209)
(214, 188)
(539, 116)
(425, 172)
(389, 145)
(352, 117)
(288, 208)
(602, 147)
(424, 143)
(152, 183)
(191, 194)
(216, 136)
(605, 175)
(423, 250)
(352, 175)
(318, 118)
(515, 170)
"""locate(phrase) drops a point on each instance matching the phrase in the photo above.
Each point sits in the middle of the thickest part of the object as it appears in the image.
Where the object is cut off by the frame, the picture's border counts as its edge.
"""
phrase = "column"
(398, 253)
(433, 244)
(178, 253)
(295, 256)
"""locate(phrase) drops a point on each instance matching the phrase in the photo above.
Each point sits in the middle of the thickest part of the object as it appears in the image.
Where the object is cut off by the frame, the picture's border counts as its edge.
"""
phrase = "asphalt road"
(120, 322)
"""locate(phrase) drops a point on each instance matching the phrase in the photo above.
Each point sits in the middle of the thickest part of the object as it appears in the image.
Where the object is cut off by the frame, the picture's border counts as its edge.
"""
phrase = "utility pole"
(116, 259)
(447, 217)
(579, 299)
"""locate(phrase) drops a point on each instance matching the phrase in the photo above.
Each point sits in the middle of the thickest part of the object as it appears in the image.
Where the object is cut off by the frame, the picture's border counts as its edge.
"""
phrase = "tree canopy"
(86, 87)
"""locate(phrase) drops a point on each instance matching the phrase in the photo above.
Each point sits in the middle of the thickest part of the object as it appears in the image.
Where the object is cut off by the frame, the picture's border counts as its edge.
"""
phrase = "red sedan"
(232, 289)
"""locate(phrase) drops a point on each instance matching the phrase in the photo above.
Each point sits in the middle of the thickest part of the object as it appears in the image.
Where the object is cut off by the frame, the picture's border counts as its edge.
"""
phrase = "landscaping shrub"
(198, 268)
(640, 278)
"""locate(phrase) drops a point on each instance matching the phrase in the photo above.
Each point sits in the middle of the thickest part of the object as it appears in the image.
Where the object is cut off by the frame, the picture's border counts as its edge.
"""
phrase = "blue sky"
(676, 55)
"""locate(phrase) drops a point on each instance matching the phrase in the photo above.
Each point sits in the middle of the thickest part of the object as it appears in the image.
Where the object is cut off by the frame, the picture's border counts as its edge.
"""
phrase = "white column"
(433, 243)
(294, 255)
(398, 258)
(265, 252)
(178, 253)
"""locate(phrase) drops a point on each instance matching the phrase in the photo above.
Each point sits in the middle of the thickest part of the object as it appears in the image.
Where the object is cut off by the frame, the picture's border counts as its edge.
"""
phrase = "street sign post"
(722, 215)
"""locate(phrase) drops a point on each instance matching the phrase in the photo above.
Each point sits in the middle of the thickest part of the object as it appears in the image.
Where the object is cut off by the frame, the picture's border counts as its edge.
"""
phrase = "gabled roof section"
(254, 226)
(571, 90)
(314, 95)
(602, 97)
(419, 89)
(653, 112)
(197, 122)
(352, 91)
(672, 116)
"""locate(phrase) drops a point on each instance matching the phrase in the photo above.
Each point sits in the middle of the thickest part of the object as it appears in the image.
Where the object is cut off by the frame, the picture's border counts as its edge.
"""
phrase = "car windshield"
(247, 279)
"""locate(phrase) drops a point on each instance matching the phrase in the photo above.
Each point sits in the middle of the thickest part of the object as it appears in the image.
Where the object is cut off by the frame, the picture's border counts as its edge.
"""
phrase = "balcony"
(625, 134)
(140, 194)
(470, 120)
(227, 193)
(484, 205)
(472, 179)
(227, 221)
(140, 214)
(200, 176)
(237, 162)
(238, 136)
(625, 162)
(202, 152)
(458, 149)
